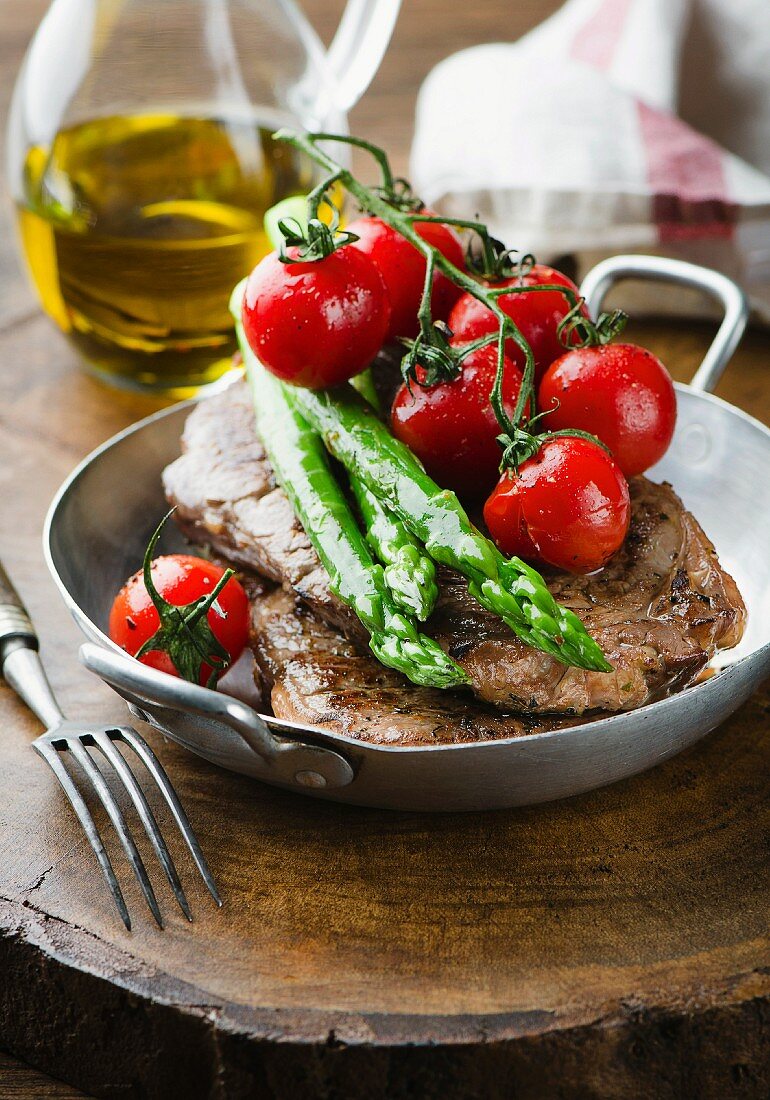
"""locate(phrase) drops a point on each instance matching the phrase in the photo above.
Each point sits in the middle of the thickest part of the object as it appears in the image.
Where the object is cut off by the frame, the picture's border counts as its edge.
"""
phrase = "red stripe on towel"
(686, 174)
(596, 41)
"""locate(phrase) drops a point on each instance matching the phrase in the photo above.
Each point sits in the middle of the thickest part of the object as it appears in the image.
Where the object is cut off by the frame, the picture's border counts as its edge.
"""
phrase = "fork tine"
(133, 738)
(78, 750)
(142, 807)
(51, 757)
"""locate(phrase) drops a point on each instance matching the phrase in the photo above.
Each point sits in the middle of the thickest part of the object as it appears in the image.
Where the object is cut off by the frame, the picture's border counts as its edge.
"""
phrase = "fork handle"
(16, 629)
(20, 662)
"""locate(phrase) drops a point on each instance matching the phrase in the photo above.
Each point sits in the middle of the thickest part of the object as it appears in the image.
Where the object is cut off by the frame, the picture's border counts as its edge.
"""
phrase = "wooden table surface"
(613, 945)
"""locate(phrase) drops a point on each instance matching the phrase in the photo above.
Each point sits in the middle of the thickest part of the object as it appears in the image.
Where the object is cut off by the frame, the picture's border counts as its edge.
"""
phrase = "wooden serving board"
(610, 946)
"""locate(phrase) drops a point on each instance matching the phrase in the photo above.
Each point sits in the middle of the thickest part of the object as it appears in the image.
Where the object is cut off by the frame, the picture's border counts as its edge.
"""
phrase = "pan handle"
(297, 763)
(736, 306)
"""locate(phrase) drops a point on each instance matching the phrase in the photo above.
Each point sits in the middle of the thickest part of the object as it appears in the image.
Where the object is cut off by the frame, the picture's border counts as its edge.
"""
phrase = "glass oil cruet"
(141, 163)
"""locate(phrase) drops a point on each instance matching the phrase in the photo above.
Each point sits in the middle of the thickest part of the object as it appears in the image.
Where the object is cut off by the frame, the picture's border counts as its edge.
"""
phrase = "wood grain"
(610, 946)
(19, 1082)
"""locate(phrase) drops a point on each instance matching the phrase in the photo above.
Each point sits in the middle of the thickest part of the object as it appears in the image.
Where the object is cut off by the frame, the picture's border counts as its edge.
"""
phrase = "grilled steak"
(313, 675)
(659, 609)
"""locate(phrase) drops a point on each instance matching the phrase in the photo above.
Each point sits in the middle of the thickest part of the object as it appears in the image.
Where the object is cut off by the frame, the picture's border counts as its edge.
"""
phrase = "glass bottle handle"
(358, 47)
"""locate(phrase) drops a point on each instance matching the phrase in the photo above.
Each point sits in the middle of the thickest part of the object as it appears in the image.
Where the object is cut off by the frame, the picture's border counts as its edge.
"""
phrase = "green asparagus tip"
(422, 660)
(412, 580)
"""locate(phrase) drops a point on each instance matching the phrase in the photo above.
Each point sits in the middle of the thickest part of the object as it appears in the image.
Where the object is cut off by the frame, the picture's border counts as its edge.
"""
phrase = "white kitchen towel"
(615, 126)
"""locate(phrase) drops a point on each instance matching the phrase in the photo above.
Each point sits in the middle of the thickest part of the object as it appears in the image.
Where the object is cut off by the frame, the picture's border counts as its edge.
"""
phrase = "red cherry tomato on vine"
(538, 315)
(568, 506)
(619, 392)
(180, 579)
(451, 426)
(403, 269)
(318, 323)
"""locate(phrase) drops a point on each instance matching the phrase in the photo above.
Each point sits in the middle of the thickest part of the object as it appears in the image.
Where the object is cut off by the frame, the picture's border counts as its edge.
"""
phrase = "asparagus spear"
(299, 460)
(507, 587)
(409, 573)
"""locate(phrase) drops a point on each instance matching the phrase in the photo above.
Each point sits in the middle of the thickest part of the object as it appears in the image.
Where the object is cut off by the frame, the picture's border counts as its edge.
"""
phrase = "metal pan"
(719, 463)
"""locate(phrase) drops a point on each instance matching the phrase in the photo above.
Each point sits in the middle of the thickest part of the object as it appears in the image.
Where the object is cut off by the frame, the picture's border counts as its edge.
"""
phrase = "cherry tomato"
(180, 579)
(316, 324)
(538, 316)
(403, 269)
(451, 426)
(619, 392)
(568, 506)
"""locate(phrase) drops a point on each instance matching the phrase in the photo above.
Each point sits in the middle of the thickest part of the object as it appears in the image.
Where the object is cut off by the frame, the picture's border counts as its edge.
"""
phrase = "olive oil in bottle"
(136, 229)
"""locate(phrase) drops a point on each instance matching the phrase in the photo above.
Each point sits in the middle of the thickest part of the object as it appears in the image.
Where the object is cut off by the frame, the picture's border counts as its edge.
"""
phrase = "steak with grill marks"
(659, 609)
(313, 675)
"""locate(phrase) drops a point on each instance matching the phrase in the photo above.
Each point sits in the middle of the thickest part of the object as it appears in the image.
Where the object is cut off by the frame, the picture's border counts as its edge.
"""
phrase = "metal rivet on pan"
(309, 778)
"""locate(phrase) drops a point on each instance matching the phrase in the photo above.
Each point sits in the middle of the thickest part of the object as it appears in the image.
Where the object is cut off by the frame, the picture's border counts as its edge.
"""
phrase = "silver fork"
(23, 671)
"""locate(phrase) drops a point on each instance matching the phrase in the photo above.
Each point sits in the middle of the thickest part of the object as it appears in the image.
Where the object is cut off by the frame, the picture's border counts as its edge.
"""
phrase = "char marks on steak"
(659, 609)
(313, 675)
